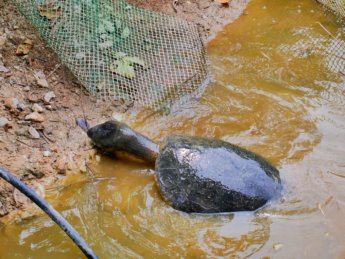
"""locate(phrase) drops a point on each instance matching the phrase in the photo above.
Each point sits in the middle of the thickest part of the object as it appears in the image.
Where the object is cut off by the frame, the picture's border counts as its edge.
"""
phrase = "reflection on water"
(279, 90)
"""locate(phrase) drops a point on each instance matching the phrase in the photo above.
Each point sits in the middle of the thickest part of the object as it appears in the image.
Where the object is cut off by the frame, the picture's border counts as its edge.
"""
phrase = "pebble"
(34, 133)
(3, 121)
(61, 167)
(21, 132)
(277, 246)
(34, 116)
(35, 172)
(42, 82)
(47, 153)
(49, 96)
(37, 108)
(11, 103)
(4, 69)
(117, 116)
(82, 167)
(21, 106)
(49, 107)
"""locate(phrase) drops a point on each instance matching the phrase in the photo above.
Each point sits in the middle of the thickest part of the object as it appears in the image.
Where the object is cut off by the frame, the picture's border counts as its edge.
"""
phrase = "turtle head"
(112, 136)
(107, 135)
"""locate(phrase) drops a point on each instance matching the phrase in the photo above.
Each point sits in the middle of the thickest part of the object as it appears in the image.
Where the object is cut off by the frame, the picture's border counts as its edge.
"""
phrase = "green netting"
(336, 5)
(334, 44)
(117, 50)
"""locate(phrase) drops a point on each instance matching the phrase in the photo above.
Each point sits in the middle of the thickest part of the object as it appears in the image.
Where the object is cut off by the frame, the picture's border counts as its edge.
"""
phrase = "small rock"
(4, 69)
(21, 106)
(21, 132)
(37, 108)
(37, 173)
(223, 1)
(117, 116)
(32, 98)
(40, 190)
(49, 96)
(34, 133)
(82, 168)
(47, 153)
(11, 103)
(3, 122)
(19, 198)
(277, 246)
(42, 82)
(61, 167)
(2, 39)
(26, 88)
(34, 116)
(71, 166)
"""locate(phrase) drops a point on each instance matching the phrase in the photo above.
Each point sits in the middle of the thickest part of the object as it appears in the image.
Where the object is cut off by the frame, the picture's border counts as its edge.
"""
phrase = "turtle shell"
(210, 176)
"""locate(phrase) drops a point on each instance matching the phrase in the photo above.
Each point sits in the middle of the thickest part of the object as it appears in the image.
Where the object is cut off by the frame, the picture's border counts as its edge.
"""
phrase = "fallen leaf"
(125, 33)
(119, 55)
(135, 60)
(123, 68)
(106, 44)
(124, 64)
(50, 10)
(25, 47)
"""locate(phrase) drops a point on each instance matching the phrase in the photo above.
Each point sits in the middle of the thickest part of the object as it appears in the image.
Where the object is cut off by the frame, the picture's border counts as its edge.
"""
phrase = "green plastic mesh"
(335, 42)
(336, 5)
(117, 50)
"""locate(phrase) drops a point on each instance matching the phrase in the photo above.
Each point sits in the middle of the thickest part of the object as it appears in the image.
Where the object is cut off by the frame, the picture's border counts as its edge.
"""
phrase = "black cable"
(51, 212)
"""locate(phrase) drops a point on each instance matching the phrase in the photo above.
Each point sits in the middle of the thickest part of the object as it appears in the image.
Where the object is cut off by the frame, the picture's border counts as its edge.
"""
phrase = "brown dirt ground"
(61, 147)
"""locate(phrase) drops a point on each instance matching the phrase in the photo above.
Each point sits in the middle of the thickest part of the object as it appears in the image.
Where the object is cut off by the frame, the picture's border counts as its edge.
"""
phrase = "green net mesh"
(334, 44)
(117, 50)
(337, 6)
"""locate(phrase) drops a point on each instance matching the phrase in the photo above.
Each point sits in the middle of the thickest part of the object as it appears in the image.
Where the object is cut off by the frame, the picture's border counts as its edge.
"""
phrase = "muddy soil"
(40, 99)
(209, 15)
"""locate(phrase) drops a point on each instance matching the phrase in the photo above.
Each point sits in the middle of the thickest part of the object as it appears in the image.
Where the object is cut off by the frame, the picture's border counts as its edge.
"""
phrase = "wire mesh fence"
(117, 50)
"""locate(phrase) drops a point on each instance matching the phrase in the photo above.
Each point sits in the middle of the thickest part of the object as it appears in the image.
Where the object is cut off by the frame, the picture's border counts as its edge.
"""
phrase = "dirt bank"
(209, 15)
(40, 99)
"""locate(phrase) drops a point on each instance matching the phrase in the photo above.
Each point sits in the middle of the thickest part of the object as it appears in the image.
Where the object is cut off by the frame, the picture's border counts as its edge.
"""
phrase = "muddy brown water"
(277, 91)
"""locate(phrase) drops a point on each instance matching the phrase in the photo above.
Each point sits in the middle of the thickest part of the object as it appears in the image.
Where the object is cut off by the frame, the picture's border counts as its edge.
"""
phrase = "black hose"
(52, 213)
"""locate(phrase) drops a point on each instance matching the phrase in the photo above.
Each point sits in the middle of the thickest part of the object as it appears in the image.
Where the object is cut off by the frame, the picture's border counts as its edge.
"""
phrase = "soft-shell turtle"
(196, 174)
